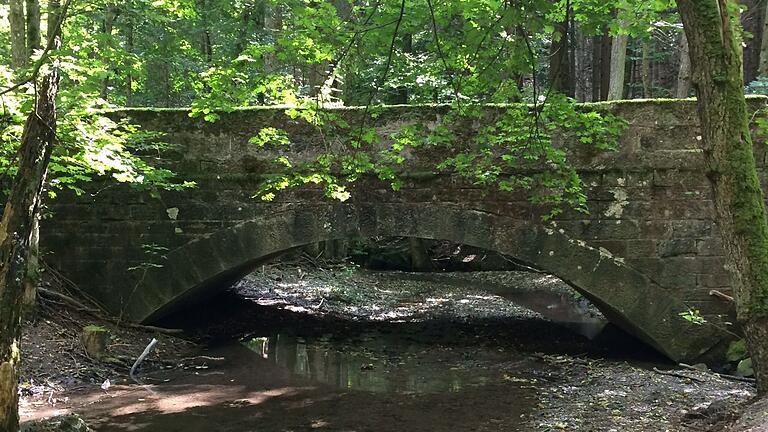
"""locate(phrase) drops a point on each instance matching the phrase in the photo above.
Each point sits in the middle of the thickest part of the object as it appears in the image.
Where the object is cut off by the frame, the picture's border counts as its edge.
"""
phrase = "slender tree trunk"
(401, 93)
(559, 65)
(32, 275)
(273, 26)
(763, 66)
(33, 26)
(715, 50)
(16, 228)
(583, 67)
(597, 47)
(683, 88)
(646, 71)
(18, 34)
(605, 66)
(245, 24)
(129, 75)
(618, 66)
(572, 46)
(110, 14)
(206, 46)
(54, 15)
(752, 23)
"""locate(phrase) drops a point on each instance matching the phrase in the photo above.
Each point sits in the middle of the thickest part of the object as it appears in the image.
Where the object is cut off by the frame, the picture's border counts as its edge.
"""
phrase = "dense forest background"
(217, 54)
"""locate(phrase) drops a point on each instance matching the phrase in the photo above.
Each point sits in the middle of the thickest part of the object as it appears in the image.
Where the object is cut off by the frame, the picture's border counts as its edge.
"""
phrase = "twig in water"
(143, 355)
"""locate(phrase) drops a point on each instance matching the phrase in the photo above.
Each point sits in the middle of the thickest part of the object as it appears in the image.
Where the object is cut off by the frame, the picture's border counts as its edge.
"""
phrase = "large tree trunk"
(618, 67)
(16, 231)
(715, 50)
(18, 34)
(683, 88)
(33, 26)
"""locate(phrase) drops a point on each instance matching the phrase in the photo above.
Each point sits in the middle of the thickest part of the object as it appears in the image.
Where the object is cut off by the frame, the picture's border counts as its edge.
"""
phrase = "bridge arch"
(626, 296)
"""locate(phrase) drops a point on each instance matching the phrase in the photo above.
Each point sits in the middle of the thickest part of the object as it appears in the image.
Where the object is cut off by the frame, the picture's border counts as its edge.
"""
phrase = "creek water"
(466, 374)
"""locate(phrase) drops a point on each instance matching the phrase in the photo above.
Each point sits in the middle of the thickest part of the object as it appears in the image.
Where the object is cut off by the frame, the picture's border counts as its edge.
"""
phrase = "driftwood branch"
(141, 358)
(721, 295)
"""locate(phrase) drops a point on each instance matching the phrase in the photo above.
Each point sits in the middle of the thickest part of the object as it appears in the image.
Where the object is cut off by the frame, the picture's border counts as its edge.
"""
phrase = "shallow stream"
(436, 353)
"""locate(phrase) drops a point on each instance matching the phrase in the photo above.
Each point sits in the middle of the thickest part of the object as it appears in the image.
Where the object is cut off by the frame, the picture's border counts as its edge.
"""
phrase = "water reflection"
(378, 363)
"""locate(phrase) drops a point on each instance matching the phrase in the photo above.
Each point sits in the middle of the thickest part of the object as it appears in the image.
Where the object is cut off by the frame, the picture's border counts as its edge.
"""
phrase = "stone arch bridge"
(647, 250)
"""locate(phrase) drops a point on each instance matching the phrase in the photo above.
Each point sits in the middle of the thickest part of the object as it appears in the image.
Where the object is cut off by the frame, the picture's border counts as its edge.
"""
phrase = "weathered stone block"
(676, 247)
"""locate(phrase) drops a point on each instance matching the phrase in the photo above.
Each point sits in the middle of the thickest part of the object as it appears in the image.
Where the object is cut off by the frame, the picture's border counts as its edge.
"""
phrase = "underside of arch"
(625, 295)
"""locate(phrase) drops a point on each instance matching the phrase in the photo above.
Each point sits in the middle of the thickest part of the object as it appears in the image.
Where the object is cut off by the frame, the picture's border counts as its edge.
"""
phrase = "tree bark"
(54, 15)
(21, 210)
(752, 23)
(683, 88)
(18, 34)
(129, 76)
(605, 66)
(597, 47)
(559, 65)
(645, 71)
(33, 26)
(715, 50)
(32, 275)
(401, 93)
(110, 14)
(618, 67)
(763, 63)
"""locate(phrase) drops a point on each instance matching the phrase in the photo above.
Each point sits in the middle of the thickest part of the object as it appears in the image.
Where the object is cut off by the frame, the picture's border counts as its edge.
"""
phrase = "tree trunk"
(582, 77)
(683, 88)
(559, 65)
(18, 34)
(32, 278)
(129, 75)
(33, 26)
(19, 216)
(618, 66)
(645, 71)
(401, 93)
(54, 15)
(715, 50)
(763, 66)
(597, 47)
(206, 46)
(605, 66)
(752, 23)
(110, 14)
